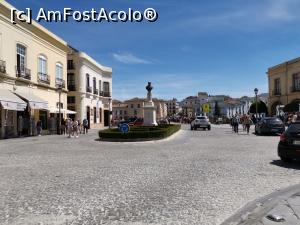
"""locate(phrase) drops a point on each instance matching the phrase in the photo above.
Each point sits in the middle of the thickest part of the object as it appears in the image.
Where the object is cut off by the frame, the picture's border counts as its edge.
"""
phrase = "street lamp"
(59, 89)
(256, 91)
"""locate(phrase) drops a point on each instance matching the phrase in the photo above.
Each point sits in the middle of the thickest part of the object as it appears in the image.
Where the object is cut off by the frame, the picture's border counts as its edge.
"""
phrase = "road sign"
(124, 128)
(205, 108)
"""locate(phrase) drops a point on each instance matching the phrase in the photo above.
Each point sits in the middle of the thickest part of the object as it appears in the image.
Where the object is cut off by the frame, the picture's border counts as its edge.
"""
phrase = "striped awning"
(10, 101)
(34, 101)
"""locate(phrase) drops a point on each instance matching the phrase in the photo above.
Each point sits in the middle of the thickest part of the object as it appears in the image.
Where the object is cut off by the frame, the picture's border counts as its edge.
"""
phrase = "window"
(42, 64)
(135, 112)
(296, 82)
(94, 85)
(99, 85)
(21, 58)
(131, 106)
(125, 112)
(59, 71)
(139, 105)
(121, 112)
(277, 87)
(71, 82)
(87, 80)
(71, 99)
(70, 65)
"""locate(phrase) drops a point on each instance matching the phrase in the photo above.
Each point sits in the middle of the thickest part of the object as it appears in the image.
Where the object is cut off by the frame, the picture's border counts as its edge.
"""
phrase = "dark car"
(289, 144)
(269, 125)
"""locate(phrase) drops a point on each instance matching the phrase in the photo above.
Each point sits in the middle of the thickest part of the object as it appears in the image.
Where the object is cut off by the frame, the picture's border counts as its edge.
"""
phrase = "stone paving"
(194, 177)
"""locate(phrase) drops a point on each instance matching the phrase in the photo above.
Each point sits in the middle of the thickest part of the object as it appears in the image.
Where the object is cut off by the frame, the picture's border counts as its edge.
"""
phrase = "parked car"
(133, 121)
(289, 144)
(269, 125)
(200, 122)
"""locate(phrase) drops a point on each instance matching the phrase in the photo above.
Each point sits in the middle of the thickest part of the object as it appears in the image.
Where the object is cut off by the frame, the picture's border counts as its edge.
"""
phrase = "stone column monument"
(149, 108)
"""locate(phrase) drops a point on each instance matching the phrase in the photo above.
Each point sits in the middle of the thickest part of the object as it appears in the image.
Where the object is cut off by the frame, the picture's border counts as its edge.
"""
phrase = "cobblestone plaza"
(194, 177)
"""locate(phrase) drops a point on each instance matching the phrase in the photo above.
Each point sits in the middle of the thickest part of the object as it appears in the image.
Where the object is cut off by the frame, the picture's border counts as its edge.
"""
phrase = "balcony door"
(21, 58)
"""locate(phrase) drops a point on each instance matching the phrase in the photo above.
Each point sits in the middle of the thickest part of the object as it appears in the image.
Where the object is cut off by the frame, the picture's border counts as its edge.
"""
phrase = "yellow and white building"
(33, 65)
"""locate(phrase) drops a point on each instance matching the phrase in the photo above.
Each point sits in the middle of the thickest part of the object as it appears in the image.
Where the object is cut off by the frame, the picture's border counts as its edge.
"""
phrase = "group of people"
(245, 120)
(74, 128)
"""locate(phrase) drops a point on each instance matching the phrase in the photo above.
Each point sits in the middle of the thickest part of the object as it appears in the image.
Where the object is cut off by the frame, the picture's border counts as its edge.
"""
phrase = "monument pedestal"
(149, 114)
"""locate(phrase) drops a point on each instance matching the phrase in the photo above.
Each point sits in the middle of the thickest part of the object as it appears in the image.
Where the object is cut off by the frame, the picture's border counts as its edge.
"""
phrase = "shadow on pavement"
(292, 165)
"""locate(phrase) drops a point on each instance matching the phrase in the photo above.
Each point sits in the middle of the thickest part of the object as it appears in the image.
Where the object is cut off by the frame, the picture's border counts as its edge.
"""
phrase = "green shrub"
(140, 132)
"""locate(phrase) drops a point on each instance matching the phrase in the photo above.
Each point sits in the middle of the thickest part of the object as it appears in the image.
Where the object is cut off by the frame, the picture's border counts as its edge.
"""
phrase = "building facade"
(33, 67)
(90, 89)
(135, 108)
(173, 107)
(284, 84)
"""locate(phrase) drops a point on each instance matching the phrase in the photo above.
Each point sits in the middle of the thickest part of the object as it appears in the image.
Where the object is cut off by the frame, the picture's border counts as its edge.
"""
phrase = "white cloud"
(129, 58)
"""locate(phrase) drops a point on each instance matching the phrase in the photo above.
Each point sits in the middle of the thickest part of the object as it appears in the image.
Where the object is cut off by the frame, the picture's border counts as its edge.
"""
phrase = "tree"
(217, 112)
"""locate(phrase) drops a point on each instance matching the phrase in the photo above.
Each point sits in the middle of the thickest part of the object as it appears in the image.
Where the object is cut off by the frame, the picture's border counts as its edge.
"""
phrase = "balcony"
(71, 87)
(295, 89)
(23, 73)
(2, 66)
(43, 78)
(60, 83)
(100, 93)
(276, 92)
(96, 91)
(89, 89)
(106, 94)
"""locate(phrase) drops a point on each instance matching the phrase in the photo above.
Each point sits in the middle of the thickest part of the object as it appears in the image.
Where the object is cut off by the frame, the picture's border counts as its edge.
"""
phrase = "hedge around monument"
(140, 133)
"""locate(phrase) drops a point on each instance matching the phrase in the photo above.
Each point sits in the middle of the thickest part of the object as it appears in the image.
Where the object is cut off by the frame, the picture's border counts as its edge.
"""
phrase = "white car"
(201, 122)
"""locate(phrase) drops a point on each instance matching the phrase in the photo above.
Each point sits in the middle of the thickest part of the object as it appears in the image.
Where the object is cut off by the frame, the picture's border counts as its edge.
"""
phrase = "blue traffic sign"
(124, 128)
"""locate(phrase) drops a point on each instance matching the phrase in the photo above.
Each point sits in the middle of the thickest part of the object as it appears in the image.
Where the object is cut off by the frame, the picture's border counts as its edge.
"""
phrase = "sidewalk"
(281, 207)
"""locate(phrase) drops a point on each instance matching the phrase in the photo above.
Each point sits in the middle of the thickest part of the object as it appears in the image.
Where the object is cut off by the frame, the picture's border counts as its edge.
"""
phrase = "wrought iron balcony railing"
(276, 92)
(106, 94)
(295, 88)
(96, 92)
(89, 89)
(23, 72)
(71, 87)
(43, 78)
(2, 66)
(60, 83)
(100, 93)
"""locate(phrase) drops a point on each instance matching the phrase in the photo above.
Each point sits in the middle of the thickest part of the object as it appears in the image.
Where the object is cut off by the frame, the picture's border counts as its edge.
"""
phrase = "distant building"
(173, 107)
(134, 108)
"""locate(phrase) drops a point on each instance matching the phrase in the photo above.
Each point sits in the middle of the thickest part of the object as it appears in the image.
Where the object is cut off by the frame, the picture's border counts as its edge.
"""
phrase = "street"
(193, 177)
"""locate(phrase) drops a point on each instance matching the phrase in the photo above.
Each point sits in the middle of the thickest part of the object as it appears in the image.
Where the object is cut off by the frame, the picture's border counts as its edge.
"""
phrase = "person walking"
(247, 122)
(236, 122)
(85, 126)
(63, 126)
(70, 127)
(75, 128)
(39, 128)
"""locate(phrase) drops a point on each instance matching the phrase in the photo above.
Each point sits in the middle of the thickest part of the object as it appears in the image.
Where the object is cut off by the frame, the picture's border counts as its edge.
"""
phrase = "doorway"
(88, 115)
(106, 118)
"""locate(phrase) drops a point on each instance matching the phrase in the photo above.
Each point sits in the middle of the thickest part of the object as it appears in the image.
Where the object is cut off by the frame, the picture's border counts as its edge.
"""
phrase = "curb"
(254, 211)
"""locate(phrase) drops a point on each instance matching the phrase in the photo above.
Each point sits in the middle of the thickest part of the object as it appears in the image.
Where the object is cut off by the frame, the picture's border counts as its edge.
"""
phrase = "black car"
(289, 144)
(269, 125)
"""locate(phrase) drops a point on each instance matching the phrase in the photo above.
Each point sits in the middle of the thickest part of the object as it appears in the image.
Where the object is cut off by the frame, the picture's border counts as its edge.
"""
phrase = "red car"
(137, 122)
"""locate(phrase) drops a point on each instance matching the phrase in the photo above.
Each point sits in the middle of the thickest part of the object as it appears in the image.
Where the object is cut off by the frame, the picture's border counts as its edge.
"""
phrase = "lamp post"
(59, 89)
(256, 91)
(109, 119)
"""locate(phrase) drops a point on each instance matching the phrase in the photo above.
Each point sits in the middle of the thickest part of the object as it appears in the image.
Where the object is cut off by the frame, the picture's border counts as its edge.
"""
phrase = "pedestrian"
(85, 126)
(70, 127)
(75, 128)
(39, 128)
(236, 124)
(247, 122)
(63, 126)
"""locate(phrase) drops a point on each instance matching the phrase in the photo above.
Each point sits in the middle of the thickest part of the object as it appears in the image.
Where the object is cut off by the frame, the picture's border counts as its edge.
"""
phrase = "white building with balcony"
(90, 89)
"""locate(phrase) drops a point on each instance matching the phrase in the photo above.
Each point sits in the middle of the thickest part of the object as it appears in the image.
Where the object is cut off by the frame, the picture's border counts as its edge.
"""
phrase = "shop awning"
(34, 101)
(10, 101)
(66, 111)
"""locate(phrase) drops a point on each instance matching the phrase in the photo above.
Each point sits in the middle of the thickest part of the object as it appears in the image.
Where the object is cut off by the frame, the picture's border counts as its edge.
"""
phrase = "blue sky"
(221, 47)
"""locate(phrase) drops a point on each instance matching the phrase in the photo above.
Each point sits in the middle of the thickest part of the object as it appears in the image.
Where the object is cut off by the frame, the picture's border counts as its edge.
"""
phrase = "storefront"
(10, 105)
